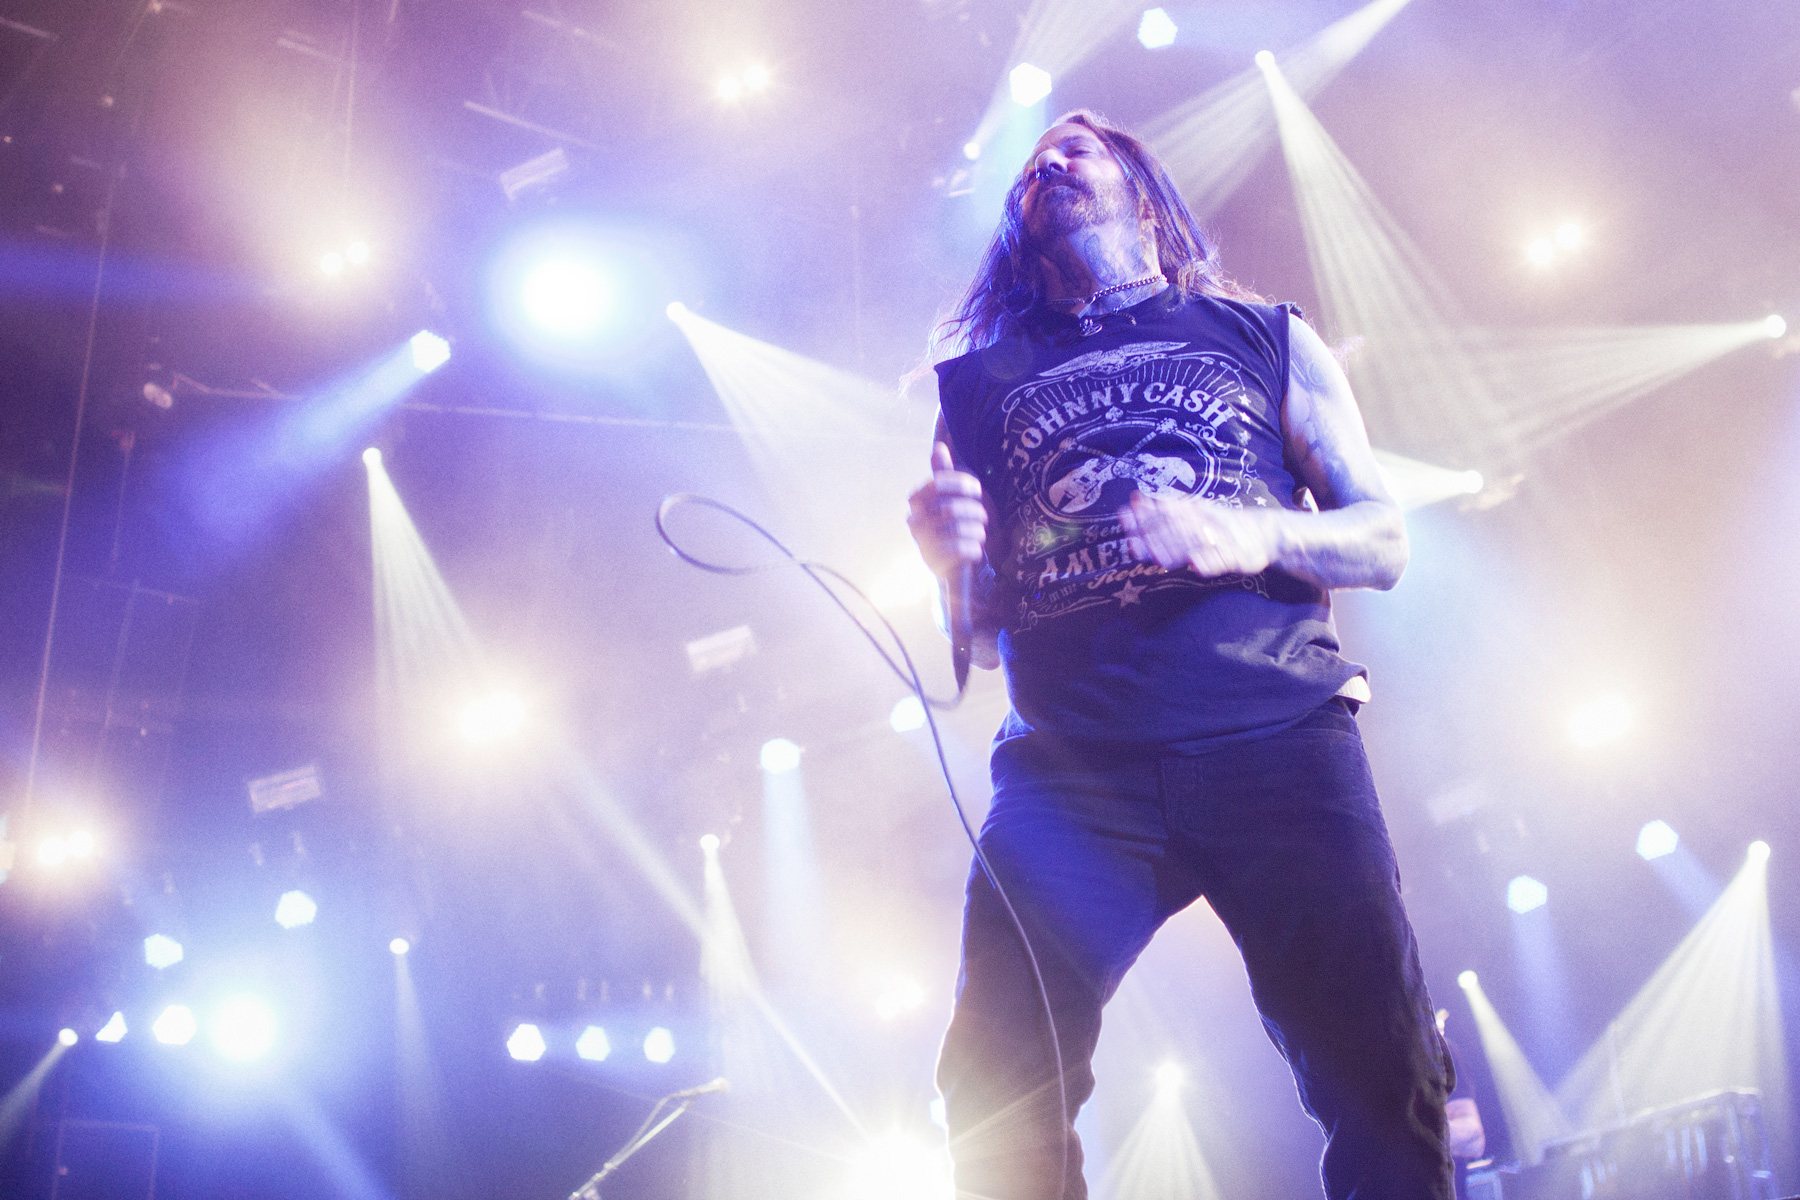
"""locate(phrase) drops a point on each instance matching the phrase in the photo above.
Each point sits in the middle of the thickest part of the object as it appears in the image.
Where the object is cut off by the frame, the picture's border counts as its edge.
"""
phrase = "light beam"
(1532, 1116)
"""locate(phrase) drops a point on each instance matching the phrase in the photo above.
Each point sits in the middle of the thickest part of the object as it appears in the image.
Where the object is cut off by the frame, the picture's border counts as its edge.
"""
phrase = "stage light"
(67, 1037)
(1156, 29)
(429, 351)
(175, 1026)
(356, 253)
(113, 1030)
(332, 263)
(1600, 720)
(53, 851)
(1029, 84)
(779, 756)
(730, 89)
(243, 1029)
(1473, 482)
(526, 1043)
(908, 714)
(1525, 894)
(1532, 1115)
(1466, 980)
(493, 718)
(756, 77)
(899, 997)
(399, 946)
(81, 844)
(896, 1166)
(1540, 252)
(295, 909)
(709, 843)
(1759, 851)
(659, 1045)
(906, 581)
(971, 150)
(1169, 1078)
(161, 951)
(566, 299)
(1569, 235)
(371, 457)
(1656, 839)
(676, 310)
(1775, 325)
(593, 1044)
(1264, 59)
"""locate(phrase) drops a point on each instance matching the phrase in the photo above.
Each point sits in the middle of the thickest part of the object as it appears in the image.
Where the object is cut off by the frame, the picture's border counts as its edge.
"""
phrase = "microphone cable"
(900, 662)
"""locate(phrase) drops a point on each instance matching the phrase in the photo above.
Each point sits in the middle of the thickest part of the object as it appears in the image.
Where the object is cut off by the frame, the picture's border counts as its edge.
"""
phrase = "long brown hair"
(1009, 282)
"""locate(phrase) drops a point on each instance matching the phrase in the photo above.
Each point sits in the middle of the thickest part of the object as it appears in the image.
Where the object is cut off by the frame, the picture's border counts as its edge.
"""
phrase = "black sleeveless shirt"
(1170, 396)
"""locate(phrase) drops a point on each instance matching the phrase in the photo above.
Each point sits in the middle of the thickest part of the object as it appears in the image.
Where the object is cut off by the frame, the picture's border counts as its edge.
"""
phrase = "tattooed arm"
(1358, 540)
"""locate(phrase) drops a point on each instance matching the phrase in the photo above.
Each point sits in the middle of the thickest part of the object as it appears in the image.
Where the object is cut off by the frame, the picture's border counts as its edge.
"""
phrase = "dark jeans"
(1097, 847)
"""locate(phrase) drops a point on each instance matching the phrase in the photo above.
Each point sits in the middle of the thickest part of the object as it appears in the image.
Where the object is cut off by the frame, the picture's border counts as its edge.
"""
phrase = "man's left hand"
(1209, 538)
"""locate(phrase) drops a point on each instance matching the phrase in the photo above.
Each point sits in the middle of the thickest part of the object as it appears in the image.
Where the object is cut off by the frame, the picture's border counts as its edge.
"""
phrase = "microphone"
(962, 621)
(721, 1084)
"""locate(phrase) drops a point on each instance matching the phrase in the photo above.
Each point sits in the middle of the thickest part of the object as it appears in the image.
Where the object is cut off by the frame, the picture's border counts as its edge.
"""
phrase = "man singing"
(1158, 482)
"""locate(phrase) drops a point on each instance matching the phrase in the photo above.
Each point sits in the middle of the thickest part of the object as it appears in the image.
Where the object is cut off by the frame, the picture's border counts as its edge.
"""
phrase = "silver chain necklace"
(1091, 325)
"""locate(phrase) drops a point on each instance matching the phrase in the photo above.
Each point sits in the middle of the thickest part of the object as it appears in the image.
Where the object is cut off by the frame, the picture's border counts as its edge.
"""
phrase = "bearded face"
(1064, 202)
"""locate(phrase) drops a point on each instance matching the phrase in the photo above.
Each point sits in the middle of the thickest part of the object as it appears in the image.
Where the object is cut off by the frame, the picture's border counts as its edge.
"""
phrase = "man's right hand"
(948, 519)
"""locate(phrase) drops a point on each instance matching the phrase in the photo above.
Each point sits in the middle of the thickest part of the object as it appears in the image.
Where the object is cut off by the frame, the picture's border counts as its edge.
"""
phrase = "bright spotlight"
(1775, 325)
(295, 909)
(730, 89)
(399, 946)
(659, 1045)
(1656, 839)
(526, 1043)
(1156, 29)
(243, 1029)
(81, 844)
(67, 1037)
(161, 951)
(1473, 482)
(356, 253)
(709, 843)
(779, 755)
(1569, 235)
(1029, 84)
(1759, 851)
(1600, 720)
(371, 457)
(113, 1030)
(53, 851)
(971, 150)
(676, 310)
(1466, 980)
(896, 1166)
(429, 351)
(593, 1044)
(175, 1027)
(1540, 252)
(908, 714)
(332, 263)
(756, 77)
(566, 298)
(488, 719)
(1524, 894)
(899, 997)
(1169, 1077)
(1264, 59)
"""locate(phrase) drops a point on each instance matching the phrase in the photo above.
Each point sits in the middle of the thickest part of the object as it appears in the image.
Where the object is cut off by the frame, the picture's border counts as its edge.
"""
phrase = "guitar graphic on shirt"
(1154, 474)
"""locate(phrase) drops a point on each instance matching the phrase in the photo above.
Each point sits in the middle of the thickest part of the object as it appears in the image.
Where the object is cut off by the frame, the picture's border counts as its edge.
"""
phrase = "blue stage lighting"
(399, 946)
(1029, 84)
(779, 755)
(113, 1030)
(429, 351)
(295, 909)
(1156, 29)
(1656, 839)
(566, 298)
(1524, 894)
(593, 1044)
(243, 1029)
(526, 1043)
(161, 951)
(659, 1045)
(67, 1037)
